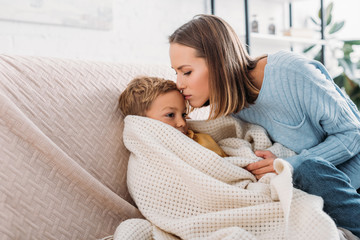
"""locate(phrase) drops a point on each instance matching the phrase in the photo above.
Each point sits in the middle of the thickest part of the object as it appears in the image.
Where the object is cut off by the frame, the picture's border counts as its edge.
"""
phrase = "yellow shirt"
(207, 141)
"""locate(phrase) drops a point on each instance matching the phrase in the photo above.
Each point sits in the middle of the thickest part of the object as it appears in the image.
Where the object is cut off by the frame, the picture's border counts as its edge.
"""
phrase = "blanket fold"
(189, 192)
(41, 184)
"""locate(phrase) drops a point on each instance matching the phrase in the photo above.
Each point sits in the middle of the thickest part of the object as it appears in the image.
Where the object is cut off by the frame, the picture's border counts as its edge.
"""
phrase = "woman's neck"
(257, 74)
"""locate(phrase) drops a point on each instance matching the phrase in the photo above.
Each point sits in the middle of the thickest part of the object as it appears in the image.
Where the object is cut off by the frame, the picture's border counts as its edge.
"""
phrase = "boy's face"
(170, 108)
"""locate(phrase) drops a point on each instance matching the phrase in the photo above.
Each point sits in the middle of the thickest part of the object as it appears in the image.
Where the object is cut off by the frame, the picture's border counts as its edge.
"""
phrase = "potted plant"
(347, 79)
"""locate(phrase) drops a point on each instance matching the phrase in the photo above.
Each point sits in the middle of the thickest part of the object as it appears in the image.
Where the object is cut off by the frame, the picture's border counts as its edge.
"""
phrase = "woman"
(292, 97)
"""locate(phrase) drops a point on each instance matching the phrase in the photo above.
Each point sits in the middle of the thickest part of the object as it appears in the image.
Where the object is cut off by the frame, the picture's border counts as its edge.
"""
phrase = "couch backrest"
(74, 104)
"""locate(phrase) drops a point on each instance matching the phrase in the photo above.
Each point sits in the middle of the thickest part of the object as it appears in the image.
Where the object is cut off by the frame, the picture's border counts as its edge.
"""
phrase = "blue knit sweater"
(301, 107)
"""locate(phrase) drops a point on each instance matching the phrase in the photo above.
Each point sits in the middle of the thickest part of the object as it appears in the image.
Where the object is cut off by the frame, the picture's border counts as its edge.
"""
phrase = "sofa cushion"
(63, 162)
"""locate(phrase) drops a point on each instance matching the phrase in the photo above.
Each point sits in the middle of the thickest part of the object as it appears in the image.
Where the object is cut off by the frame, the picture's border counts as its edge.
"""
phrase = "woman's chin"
(198, 104)
(195, 104)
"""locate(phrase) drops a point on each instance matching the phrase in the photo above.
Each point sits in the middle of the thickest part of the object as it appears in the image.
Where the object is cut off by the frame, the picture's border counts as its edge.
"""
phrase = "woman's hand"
(260, 168)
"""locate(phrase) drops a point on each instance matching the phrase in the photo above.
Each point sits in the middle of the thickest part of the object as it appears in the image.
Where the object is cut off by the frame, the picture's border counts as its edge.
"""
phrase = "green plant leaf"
(347, 79)
(328, 20)
(339, 80)
(309, 48)
(328, 10)
(355, 95)
(318, 56)
(356, 81)
(357, 102)
(351, 87)
(314, 21)
(336, 27)
(352, 42)
(347, 49)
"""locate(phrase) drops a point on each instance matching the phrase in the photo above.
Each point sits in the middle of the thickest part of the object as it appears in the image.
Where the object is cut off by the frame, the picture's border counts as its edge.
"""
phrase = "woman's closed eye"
(187, 73)
(184, 115)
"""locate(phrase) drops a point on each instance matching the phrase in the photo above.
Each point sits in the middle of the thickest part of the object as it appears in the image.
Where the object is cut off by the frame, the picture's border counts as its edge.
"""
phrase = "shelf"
(287, 39)
(288, 1)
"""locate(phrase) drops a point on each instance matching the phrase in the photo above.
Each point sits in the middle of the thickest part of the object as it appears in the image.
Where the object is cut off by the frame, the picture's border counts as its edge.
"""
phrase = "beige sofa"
(63, 163)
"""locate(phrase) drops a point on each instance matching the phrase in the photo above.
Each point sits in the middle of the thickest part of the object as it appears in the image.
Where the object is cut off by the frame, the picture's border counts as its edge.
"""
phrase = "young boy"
(160, 99)
(208, 185)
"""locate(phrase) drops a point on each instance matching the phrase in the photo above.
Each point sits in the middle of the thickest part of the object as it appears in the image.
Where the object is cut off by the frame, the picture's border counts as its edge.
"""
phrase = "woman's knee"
(317, 171)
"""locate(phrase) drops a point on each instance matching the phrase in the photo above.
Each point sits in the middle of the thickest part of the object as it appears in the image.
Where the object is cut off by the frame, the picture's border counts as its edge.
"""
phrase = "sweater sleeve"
(333, 113)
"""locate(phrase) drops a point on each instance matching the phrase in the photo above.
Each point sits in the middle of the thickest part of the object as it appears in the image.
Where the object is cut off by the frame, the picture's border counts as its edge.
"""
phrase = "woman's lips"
(187, 97)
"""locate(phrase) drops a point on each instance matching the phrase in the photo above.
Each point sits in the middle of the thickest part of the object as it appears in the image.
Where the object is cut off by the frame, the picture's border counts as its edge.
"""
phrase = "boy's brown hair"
(141, 92)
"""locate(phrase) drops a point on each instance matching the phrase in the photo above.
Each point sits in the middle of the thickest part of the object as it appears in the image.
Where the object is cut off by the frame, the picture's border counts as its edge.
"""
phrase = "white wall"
(233, 12)
(139, 34)
(141, 27)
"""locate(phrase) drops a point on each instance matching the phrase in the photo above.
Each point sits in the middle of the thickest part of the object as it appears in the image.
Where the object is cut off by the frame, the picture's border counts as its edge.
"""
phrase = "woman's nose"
(179, 83)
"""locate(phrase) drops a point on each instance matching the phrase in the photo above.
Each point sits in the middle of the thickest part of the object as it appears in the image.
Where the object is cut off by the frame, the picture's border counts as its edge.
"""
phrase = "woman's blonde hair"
(141, 92)
(231, 88)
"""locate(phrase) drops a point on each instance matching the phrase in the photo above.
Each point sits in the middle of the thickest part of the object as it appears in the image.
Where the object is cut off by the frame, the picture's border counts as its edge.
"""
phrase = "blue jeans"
(341, 201)
(352, 169)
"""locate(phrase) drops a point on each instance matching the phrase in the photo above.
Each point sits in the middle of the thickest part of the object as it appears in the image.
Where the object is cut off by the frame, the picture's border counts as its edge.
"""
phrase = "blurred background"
(136, 31)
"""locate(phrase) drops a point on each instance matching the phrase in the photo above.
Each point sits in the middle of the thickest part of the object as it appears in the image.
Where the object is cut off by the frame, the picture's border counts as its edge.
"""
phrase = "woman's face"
(192, 74)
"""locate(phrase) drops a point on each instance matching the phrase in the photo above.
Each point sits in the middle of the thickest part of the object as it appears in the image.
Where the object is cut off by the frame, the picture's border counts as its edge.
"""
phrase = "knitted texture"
(302, 108)
(189, 192)
(62, 159)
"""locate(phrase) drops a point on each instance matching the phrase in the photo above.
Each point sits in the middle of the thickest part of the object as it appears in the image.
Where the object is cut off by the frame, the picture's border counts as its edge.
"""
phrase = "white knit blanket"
(187, 191)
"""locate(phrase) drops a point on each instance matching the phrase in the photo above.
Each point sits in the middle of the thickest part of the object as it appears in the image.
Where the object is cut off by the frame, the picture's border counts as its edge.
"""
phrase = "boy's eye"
(170, 115)
(187, 73)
